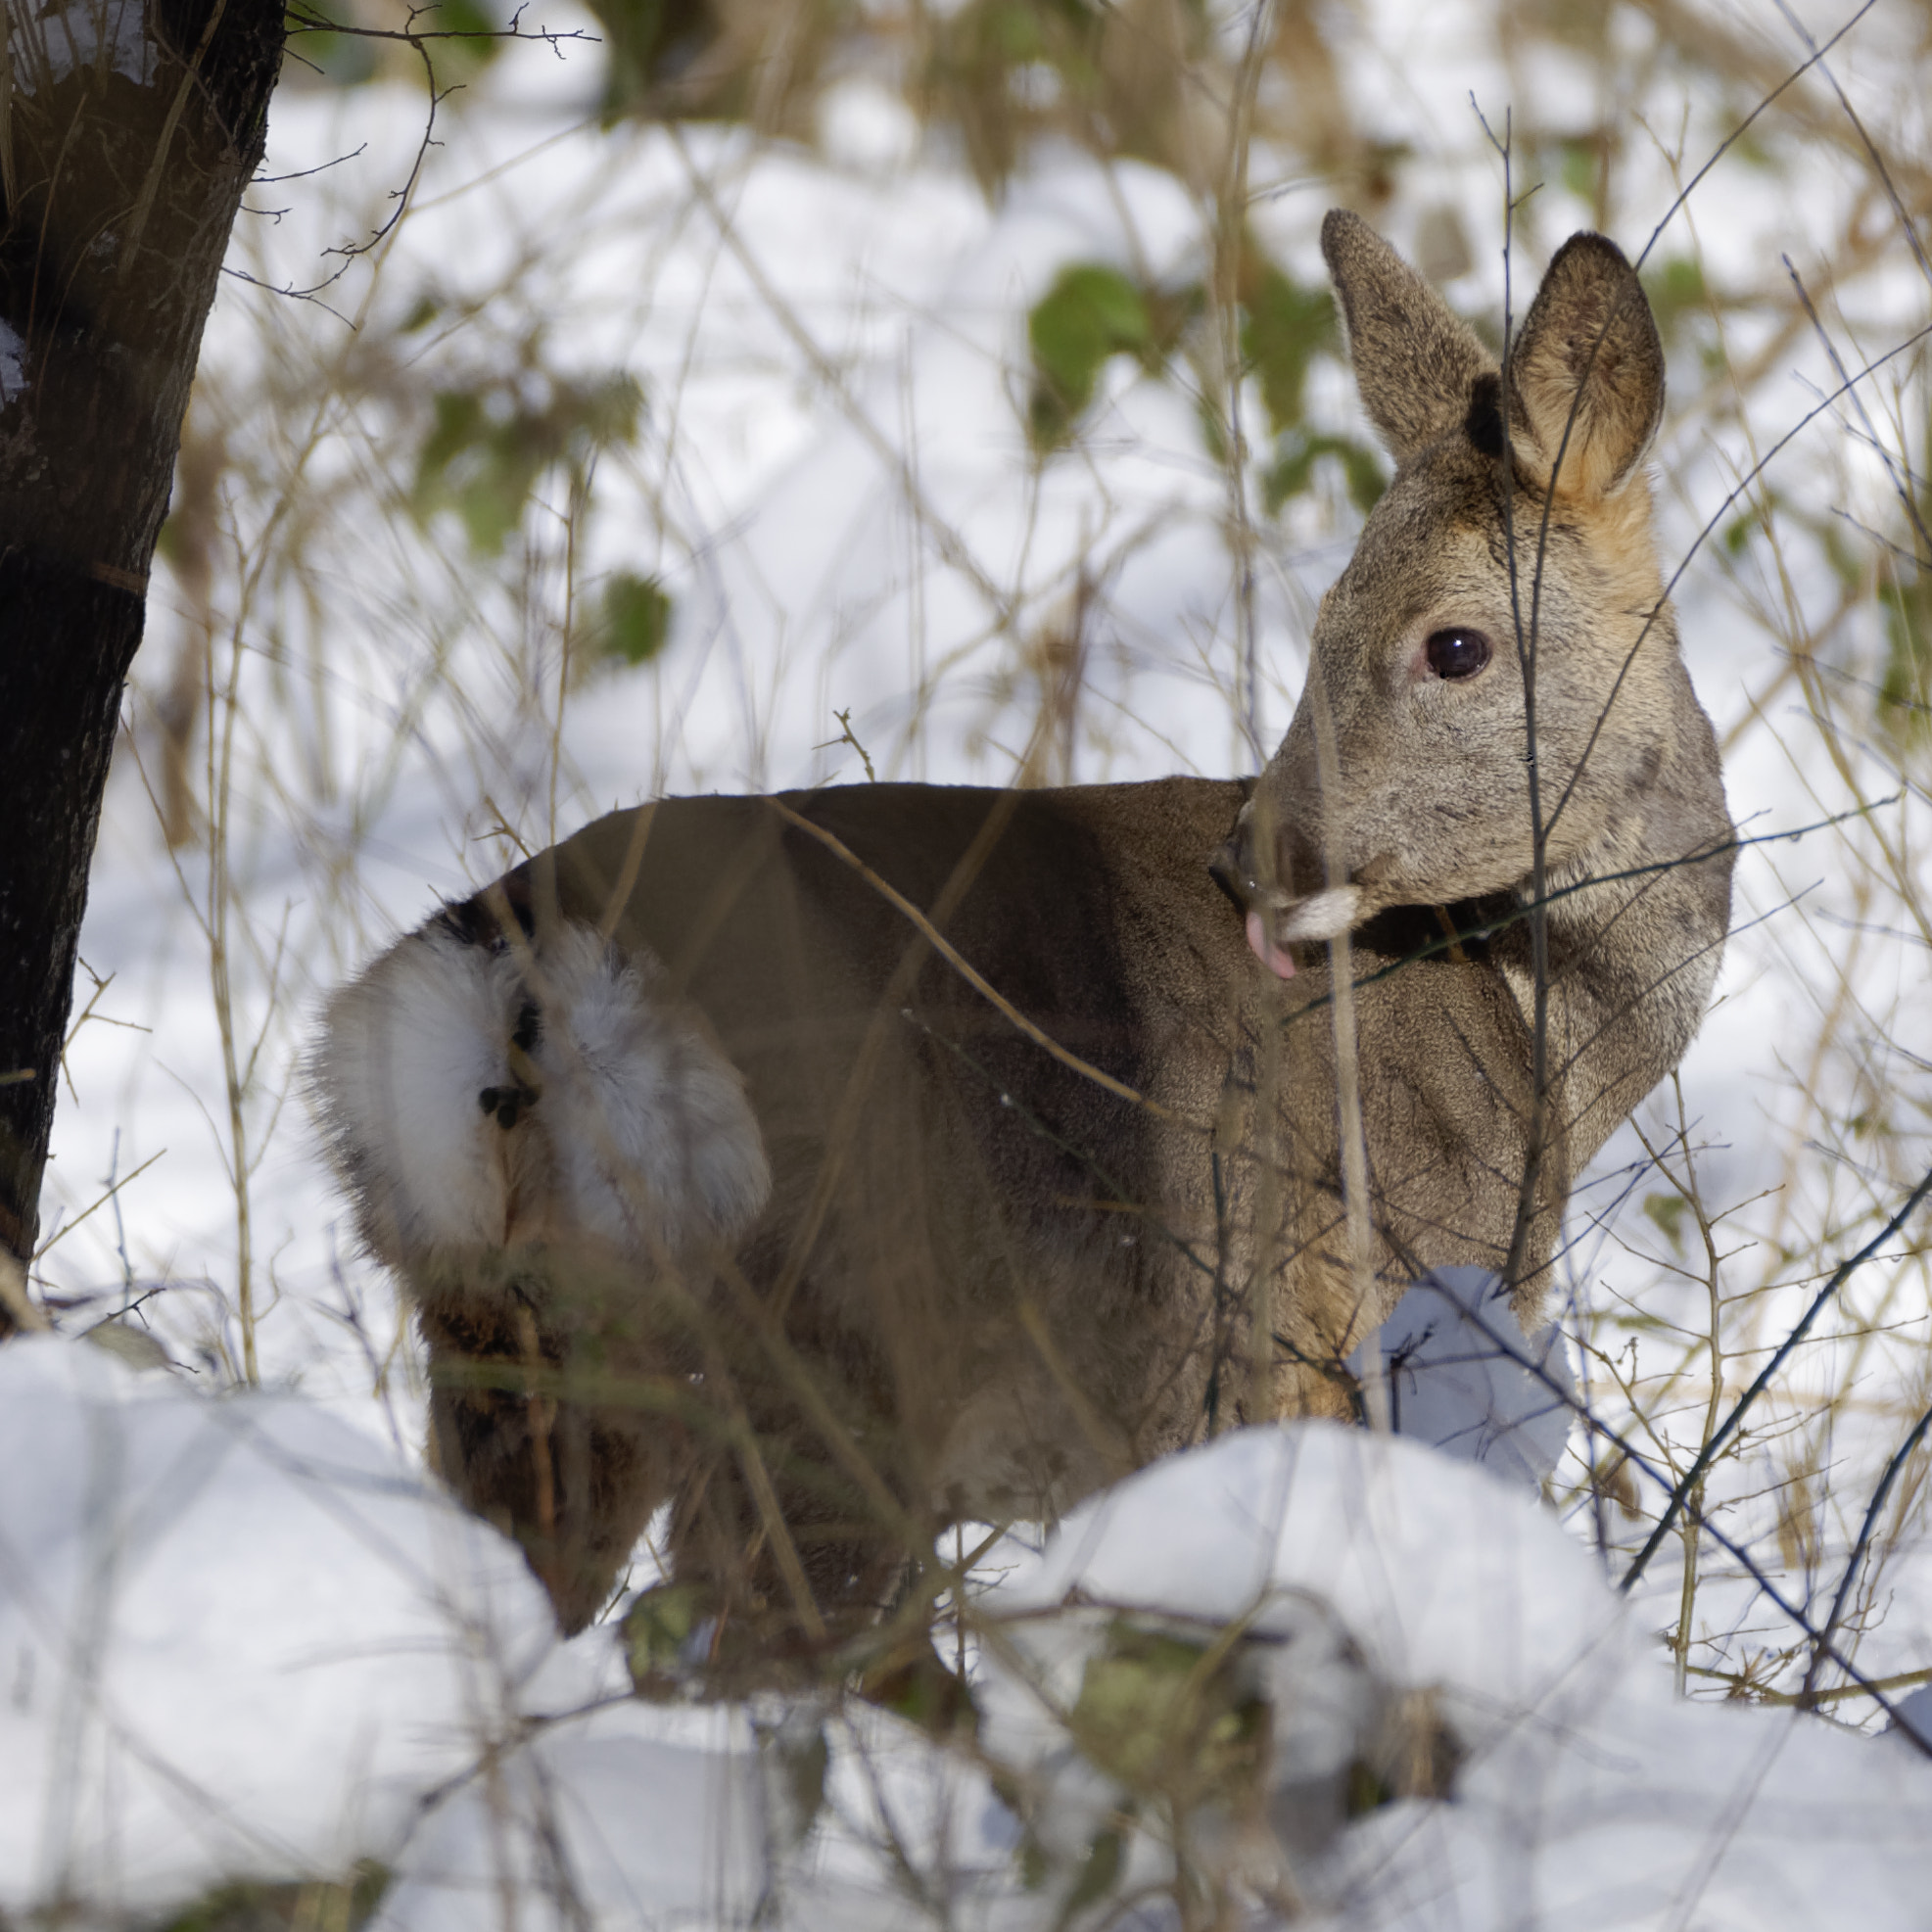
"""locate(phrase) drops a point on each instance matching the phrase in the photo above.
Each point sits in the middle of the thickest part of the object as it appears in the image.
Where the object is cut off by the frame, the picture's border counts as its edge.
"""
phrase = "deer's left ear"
(1415, 361)
(1587, 373)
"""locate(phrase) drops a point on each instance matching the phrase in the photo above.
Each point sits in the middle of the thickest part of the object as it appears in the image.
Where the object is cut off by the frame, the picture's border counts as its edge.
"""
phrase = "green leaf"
(1131, 1697)
(467, 17)
(258, 1906)
(1160, 1713)
(976, 78)
(1365, 1790)
(636, 619)
(1904, 690)
(1292, 471)
(656, 1630)
(650, 45)
(339, 60)
(1285, 328)
(1099, 1874)
(1089, 313)
(1581, 166)
(1035, 1866)
(1677, 289)
(488, 447)
(345, 58)
(454, 59)
(1667, 1211)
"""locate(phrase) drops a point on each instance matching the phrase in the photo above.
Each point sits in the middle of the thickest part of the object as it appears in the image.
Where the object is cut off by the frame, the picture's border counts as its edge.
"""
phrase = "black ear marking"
(479, 919)
(1484, 424)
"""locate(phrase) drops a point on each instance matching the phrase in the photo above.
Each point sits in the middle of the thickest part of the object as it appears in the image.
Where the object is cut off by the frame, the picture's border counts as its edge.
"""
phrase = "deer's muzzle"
(1259, 876)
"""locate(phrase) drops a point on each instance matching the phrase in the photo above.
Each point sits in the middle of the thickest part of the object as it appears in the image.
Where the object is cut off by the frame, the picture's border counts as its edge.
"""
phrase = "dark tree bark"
(128, 136)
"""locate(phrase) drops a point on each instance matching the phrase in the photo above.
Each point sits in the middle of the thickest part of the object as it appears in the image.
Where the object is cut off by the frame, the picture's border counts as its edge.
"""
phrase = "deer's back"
(936, 1163)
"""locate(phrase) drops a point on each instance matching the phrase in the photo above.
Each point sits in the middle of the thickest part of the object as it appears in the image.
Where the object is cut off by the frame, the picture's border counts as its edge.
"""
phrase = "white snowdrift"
(236, 1637)
(240, 1638)
(1464, 1378)
(1589, 1797)
(1361, 1569)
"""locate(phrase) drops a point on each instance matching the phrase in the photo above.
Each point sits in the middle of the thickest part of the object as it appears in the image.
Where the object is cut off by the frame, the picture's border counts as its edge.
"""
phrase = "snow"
(77, 36)
(242, 1639)
(1439, 1576)
(246, 1633)
(238, 1636)
(1465, 1379)
(1589, 1796)
(865, 127)
(607, 1819)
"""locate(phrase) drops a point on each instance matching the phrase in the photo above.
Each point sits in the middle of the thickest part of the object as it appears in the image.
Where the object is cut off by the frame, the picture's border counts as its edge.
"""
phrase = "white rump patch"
(624, 1125)
(655, 1141)
(405, 1052)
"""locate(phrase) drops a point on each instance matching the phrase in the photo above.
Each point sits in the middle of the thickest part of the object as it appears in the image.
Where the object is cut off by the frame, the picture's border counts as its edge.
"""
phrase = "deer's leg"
(561, 1439)
(1323, 1314)
(791, 1549)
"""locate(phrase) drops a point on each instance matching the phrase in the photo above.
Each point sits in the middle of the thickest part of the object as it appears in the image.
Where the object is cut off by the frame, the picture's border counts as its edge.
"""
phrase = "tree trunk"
(128, 131)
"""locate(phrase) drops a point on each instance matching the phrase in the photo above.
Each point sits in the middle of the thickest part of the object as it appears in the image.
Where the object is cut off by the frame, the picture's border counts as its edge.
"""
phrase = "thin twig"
(951, 954)
(1708, 1454)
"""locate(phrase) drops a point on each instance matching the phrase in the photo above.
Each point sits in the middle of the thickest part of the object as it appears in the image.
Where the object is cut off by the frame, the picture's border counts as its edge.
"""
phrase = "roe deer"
(831, 1164)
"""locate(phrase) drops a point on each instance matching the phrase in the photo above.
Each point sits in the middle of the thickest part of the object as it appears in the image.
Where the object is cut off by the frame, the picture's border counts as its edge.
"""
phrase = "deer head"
(1502, 615)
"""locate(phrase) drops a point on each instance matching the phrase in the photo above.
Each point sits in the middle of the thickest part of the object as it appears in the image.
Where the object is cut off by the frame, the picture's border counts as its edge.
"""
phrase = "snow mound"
(1302, 1673)
(1352, 1602)
(238, 1637)
(1580, 1793)
(628, 1816)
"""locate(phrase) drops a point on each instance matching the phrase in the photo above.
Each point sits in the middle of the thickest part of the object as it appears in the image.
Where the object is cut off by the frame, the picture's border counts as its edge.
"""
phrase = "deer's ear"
(1587, 373)
(1416, 361)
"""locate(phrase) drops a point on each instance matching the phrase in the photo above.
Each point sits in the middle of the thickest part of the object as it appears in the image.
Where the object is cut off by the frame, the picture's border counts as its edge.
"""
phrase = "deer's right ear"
(1416, 360)
(1587, 371)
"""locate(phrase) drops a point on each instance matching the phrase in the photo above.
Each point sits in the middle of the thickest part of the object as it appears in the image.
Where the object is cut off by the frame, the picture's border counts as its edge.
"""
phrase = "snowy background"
(780, 373)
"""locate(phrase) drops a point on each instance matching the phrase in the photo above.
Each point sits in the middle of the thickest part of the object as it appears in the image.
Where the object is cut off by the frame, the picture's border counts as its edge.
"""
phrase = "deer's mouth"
(1320, 916)
(1274, 918)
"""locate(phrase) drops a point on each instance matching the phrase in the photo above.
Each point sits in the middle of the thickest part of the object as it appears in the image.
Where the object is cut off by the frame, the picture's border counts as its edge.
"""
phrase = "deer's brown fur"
(832, 1164)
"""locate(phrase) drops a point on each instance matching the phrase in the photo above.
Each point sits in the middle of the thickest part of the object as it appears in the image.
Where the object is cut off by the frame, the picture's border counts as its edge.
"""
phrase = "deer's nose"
(1235, 870)
(1231, 870)
(1252, 876)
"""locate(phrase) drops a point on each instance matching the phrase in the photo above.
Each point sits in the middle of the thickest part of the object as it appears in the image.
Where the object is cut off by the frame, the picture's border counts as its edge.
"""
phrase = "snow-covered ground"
(244, 1641)
(217, 1666)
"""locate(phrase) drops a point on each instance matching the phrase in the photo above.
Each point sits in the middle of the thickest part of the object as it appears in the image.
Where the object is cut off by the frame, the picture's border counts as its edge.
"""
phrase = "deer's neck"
(1635, 933)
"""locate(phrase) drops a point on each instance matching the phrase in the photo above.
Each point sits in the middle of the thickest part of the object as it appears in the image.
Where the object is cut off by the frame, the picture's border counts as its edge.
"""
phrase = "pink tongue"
(1266, 951)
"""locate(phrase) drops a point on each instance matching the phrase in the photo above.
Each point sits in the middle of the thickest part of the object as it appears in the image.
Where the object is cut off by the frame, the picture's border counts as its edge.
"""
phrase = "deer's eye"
(1457, 653)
